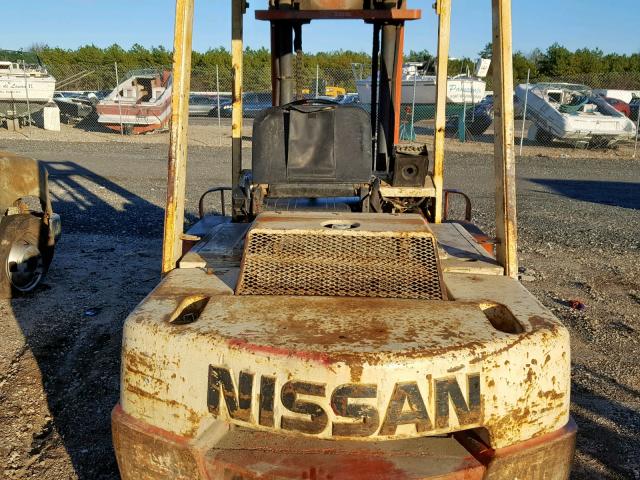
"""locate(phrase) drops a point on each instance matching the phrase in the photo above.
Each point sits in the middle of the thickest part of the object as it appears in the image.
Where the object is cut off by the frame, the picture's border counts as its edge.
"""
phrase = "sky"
(612, 26)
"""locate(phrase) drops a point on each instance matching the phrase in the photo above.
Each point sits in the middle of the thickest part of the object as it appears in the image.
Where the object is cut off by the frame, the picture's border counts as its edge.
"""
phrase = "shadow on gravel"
(607, 430)
(617, 194)
(107, 261)
(90, 124)
(84, 206)
(608, 423)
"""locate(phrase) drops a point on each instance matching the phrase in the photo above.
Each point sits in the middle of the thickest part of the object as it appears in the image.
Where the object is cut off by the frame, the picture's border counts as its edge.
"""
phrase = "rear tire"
(25, 254)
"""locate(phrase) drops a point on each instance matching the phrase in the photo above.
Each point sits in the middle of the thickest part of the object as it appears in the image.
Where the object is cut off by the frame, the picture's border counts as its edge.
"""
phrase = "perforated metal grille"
(349, 264)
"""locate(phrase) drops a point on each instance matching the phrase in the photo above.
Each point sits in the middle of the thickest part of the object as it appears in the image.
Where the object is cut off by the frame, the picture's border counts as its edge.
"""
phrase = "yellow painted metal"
(174, 212)
(491, 357)
(237, 11)
(22, 177)
(502, 357)
(504, 155)
(443, 10)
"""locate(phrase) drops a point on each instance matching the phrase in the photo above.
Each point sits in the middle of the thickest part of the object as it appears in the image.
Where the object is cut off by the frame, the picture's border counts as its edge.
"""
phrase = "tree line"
(589, 66)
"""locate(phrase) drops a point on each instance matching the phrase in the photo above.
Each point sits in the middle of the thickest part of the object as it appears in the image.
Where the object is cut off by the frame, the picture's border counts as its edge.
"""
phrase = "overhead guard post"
(375, 68)
(174, 212)
(443, 10)
(397, 81)
(504, 154)
(237, 11)
(386, 100)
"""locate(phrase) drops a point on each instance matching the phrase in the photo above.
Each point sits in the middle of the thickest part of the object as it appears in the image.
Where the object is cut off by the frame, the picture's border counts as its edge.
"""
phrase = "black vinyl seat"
(312, 148)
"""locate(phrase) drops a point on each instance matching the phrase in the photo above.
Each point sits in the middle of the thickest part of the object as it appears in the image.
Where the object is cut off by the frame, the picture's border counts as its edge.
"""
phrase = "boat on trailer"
(25, 85)
(139, 104)
(572, 113)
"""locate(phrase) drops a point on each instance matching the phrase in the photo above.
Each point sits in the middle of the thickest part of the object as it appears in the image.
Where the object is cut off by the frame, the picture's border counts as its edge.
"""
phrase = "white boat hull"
(607, 123)
(459, 91)
(18, 97)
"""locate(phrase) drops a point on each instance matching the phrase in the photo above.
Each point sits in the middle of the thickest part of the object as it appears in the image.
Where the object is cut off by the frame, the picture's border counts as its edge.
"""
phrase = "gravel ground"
(59, 352)
(206, 132)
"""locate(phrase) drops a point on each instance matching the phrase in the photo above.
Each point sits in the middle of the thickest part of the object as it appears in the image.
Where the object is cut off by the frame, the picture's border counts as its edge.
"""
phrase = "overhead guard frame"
(504, 154)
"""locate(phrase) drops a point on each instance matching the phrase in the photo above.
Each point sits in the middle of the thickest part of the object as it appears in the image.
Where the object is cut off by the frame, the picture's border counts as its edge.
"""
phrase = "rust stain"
(144, 374)
(21, 177)
(294, 332)
(193, 418)
(511, 423)
(309, 461)
(143, 393)
(538, 322)
(356, 372)
(267, 218)
(551, 395)
(552, 330)
(530, 376)
(138, 362)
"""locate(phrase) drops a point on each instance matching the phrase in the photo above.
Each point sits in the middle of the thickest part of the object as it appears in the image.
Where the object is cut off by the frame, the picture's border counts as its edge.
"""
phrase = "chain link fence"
(580, 115)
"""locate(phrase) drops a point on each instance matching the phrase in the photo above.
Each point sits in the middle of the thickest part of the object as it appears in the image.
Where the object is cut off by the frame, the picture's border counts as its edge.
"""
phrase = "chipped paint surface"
(22, 177)
(411, 351)
(179, 126)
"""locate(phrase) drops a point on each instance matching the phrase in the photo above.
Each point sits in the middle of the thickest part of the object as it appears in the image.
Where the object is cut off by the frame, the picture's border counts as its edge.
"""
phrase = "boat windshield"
(567, 87)
(143, 73)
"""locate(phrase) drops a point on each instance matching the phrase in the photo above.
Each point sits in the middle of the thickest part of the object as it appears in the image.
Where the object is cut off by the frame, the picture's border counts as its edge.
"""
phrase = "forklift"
(334, 322)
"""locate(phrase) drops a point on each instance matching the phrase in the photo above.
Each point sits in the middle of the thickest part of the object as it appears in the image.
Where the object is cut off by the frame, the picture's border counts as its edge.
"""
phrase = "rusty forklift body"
(359, 336)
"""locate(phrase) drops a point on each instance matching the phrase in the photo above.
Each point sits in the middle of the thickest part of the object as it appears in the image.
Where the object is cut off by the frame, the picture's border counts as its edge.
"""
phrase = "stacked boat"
(572, 113)
(25, 85)
(419, 90)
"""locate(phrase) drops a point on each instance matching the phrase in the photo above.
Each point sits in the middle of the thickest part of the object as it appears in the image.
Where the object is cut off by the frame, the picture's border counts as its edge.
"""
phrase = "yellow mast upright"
(503, 148)
(174, 212)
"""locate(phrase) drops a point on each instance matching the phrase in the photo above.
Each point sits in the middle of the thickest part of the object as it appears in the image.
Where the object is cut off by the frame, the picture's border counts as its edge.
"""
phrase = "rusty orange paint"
(367, 15)
(553, 450)
(231, 456)
(331, 4)
(241, 454)
(271, 350)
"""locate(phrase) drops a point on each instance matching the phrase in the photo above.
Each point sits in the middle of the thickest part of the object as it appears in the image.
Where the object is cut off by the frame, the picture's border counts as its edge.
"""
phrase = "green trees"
(522, 64)
(421, 56)
(588, 66)
(559, 62)
(556, 62)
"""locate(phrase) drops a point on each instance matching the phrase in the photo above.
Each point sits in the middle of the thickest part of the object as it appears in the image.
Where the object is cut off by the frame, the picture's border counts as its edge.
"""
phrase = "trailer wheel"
(25, 254)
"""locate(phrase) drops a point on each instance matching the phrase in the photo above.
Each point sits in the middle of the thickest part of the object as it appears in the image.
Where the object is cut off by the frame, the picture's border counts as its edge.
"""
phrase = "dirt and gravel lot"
(214, 132)
(59, 349)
